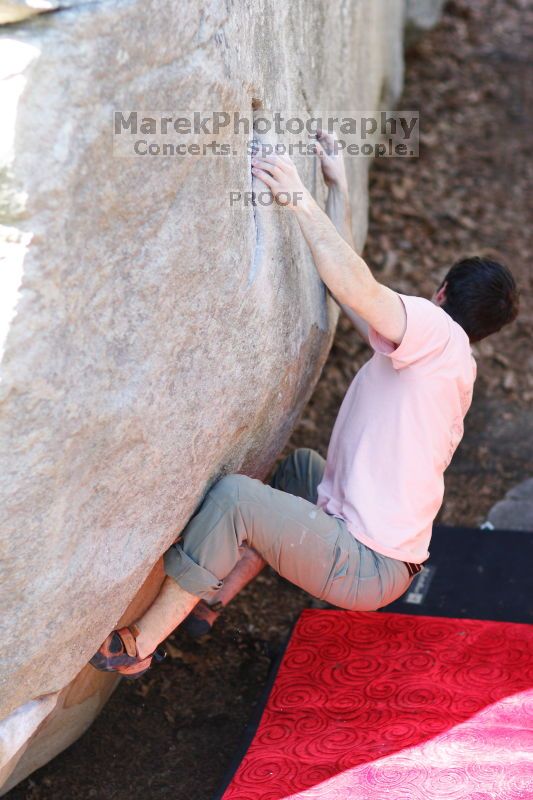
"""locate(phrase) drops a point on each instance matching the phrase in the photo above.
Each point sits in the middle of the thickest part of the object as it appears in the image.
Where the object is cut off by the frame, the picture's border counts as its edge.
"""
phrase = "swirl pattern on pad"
(376, 705)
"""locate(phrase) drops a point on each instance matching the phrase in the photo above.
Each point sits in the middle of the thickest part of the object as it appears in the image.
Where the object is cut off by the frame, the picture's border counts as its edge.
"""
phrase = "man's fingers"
(266, 177)
(319, 150)
(265, 165)
(328, 135)
(272, 158)
(280, 160)
(327, 140)
(285, 160)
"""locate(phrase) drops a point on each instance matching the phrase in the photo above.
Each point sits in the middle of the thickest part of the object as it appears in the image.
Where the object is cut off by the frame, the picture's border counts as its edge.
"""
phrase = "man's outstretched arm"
(338, 208)
(345, 274)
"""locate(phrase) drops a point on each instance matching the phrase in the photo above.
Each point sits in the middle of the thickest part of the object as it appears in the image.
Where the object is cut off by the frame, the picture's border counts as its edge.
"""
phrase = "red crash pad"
(377, 705)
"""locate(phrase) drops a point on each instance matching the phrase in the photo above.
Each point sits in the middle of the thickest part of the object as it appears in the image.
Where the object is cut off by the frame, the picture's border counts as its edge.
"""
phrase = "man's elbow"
(364, 296)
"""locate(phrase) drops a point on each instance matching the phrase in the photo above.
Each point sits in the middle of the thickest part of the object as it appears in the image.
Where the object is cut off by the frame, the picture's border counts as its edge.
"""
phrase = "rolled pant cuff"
(189, 575)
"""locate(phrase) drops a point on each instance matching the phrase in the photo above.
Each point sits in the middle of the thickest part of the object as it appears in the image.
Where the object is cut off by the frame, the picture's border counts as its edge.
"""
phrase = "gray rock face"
(515, 511)
(154, 336)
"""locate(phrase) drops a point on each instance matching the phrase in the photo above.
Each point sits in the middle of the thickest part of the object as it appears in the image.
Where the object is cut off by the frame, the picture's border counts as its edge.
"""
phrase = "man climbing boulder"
(356, 528)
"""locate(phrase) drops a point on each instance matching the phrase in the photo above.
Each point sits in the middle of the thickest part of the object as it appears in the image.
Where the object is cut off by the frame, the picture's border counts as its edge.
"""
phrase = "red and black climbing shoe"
(118, 653)
(201, 619)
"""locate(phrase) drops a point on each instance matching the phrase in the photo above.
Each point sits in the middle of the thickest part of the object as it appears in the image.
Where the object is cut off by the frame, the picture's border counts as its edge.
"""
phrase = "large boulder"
(154, 336)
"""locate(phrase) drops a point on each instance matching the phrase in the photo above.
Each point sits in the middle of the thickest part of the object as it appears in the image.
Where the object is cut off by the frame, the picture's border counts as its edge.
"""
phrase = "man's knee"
(231, 488)
(303, 453)
(299, 455)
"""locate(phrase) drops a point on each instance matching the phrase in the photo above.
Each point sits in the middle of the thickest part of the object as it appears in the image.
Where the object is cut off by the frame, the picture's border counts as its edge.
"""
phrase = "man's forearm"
(345, 274)
(339, 211)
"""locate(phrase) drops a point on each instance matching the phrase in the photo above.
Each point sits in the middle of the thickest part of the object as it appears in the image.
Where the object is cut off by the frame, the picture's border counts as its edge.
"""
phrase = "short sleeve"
(426, 335)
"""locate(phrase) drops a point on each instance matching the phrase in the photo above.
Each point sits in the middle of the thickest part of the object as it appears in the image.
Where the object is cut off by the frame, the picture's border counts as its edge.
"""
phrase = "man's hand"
(331, 161)
(345, 274)
(281, 176)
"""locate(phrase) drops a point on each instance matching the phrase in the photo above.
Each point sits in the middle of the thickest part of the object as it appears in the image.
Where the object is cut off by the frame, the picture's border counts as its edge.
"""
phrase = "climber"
(354, 529)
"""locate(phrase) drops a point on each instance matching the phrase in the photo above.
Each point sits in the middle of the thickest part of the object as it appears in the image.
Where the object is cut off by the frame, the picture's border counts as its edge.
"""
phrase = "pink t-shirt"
(397, 429)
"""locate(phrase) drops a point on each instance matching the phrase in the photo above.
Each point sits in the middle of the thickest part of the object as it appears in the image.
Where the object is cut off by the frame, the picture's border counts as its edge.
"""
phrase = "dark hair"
(481, 295)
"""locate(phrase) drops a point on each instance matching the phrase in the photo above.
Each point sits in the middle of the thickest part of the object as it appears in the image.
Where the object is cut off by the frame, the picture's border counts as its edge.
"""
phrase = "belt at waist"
(413, 569)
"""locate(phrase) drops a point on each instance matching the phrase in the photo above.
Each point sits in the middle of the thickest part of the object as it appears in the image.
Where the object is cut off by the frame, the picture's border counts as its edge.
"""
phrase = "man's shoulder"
(426, 312)
(426, 320)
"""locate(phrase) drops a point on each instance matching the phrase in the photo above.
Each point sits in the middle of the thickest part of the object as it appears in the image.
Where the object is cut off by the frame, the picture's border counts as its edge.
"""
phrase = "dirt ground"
(172, 734)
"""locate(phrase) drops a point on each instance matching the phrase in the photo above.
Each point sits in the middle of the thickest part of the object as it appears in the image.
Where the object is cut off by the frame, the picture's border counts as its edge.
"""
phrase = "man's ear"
(440, 296)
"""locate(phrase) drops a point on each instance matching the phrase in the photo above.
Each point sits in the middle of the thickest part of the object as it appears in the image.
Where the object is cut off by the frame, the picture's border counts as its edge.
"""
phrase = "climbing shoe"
(201, 619)
(118, 653)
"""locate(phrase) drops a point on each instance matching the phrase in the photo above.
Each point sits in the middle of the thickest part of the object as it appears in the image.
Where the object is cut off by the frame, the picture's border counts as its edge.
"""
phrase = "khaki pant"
(300, 541)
